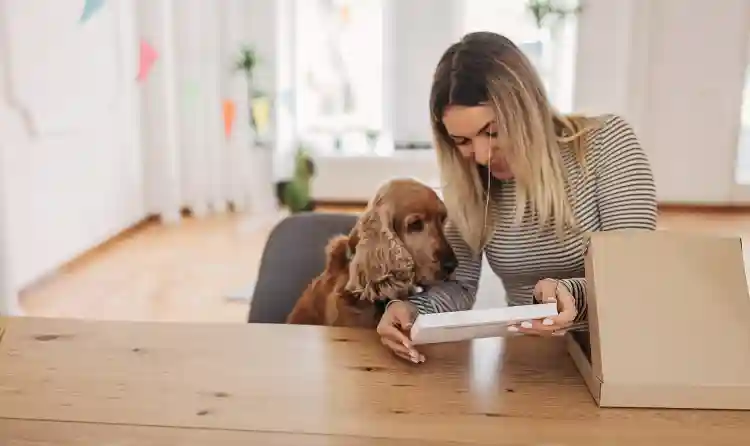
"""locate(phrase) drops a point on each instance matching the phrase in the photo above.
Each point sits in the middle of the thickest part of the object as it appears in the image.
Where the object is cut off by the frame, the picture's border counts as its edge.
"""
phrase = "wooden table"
(68, 382)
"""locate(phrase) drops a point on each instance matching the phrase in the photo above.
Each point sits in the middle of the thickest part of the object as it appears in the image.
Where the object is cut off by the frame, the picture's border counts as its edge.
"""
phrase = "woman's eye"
(492, 134)
(415, 226)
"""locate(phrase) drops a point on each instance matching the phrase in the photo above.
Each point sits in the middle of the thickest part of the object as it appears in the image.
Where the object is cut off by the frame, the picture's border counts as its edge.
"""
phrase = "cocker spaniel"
(397, 247)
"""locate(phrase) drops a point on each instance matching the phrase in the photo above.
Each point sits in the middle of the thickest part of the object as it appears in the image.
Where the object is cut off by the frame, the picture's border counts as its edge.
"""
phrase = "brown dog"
(397, 245)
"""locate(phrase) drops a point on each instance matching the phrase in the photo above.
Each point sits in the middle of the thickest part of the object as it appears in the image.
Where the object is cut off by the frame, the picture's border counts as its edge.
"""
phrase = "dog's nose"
(450, 263)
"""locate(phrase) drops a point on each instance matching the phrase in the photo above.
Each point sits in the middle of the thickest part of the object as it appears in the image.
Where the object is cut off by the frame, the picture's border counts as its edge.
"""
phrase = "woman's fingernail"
(548, 322)
(551, 300)
(526, 324)
(512, 329)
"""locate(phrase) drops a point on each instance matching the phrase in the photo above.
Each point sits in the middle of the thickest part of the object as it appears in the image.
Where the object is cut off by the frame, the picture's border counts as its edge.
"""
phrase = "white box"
(474, 324)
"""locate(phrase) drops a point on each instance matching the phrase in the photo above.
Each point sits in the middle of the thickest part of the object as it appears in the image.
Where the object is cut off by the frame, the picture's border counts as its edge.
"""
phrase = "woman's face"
(474, 132)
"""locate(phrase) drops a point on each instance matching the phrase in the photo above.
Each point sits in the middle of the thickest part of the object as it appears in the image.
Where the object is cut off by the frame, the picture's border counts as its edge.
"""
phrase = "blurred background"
(149, 146)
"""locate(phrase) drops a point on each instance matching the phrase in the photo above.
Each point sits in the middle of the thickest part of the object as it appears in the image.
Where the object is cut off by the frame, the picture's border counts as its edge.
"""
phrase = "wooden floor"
(185, 272)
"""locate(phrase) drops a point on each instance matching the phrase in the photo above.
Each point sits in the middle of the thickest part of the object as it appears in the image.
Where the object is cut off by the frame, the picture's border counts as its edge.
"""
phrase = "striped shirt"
(618, 193)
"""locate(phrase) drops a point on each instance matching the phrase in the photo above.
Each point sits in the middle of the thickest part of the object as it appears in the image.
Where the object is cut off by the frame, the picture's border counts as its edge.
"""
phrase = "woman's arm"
(626, 191)
(453, 295)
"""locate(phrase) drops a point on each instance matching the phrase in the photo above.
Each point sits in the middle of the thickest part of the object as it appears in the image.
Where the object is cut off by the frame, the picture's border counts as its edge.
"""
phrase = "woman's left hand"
(548, 291)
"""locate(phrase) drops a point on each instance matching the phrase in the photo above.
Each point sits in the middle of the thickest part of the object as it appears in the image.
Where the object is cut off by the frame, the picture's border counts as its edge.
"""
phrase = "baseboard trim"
(96, 249)
(340, 203)
(148, 220)
(713, 208)
(81, 258)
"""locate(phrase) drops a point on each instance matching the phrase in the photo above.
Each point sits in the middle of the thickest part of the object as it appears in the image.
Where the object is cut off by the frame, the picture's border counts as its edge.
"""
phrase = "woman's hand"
(394, 329)
(547, 291)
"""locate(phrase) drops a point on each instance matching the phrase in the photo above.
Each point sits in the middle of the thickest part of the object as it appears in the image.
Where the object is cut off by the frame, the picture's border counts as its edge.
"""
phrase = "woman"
(522, 184)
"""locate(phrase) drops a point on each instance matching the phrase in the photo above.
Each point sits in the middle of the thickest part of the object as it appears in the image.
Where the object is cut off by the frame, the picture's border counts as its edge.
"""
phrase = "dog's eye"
(415, 226)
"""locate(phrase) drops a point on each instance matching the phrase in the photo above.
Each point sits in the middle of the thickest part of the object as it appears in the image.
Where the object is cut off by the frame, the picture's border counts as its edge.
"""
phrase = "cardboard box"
(669, 317)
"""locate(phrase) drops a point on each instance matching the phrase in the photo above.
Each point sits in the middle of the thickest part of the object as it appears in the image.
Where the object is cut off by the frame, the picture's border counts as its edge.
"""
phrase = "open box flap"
(669, 317)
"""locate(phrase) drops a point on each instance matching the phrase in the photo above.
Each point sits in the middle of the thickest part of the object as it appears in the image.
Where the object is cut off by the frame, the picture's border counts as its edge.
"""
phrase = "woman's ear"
(381, 266)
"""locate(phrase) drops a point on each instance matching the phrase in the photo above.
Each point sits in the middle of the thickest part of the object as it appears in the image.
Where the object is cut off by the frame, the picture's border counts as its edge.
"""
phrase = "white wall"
(674, 68)
(698, 61)
(69, 134)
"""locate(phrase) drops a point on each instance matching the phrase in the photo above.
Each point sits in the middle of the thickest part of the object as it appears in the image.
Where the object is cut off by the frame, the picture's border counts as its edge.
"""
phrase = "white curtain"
(190, 162)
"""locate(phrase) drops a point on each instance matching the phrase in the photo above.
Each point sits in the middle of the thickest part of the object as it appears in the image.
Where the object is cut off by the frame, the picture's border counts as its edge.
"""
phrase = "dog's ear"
(381, 267)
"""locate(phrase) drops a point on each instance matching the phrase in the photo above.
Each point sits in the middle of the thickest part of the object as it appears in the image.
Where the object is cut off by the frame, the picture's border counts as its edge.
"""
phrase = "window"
(339, 74)
(551, 48)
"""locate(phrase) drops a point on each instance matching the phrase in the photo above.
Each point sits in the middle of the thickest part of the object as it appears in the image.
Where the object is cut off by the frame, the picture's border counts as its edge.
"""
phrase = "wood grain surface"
(70, 382)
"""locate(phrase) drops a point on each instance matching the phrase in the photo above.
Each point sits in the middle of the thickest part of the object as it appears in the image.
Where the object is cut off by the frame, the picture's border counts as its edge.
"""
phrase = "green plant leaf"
(543, 9)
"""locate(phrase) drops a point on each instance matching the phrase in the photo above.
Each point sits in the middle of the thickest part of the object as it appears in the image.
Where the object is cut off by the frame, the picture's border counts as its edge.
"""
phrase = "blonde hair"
(487, 68)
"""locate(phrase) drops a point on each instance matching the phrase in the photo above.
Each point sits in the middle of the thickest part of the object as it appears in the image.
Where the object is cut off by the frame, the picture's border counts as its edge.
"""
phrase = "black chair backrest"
(293, 256)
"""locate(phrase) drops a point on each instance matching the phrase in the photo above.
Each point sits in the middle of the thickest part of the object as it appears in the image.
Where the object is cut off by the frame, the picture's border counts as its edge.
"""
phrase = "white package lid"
(474, 324)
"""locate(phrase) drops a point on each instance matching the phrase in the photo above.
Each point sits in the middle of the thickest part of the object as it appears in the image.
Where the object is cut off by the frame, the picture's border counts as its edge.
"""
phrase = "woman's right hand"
(394, 329)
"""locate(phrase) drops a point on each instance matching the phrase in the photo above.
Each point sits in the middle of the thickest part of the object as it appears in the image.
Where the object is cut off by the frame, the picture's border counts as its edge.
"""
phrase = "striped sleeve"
(625, 182)
(453, 295)
(625, 190)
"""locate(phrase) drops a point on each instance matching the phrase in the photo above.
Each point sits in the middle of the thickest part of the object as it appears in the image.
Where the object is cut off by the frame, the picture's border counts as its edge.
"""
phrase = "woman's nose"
(481, 152)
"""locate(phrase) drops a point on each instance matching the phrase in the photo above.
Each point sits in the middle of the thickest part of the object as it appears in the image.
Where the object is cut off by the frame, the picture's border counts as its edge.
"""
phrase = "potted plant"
(294, 194)
(542, 10)
(246, 63)
(372, 136)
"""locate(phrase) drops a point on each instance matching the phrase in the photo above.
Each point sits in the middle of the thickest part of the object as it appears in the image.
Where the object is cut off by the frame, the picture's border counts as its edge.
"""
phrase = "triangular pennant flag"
(90, 8)
(261, 113)
(229, 114)
(147, 58)
(345, 14)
